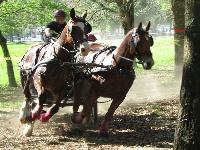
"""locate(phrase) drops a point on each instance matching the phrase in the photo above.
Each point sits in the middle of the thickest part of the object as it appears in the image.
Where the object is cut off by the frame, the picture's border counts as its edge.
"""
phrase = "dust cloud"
(148, 87)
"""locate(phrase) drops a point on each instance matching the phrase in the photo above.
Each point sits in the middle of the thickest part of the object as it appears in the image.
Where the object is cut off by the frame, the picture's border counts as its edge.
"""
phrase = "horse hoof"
(28, 130)
(44, 117)
(77, 118)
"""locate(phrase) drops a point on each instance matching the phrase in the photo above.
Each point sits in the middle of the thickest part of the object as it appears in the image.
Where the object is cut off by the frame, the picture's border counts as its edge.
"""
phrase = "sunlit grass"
(16, 53)
(163, 53)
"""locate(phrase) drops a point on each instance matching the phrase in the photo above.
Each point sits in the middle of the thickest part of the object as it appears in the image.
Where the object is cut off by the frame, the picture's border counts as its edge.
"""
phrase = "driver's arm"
(49, 33)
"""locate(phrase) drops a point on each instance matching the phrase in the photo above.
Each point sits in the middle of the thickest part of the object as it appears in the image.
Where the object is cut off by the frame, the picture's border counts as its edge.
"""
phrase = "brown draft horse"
(117, 81)
(49, 74)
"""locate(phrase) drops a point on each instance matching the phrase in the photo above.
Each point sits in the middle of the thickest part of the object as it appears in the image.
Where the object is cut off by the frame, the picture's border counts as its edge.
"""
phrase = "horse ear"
(84, 15)
(140, 25)
(72, 14)
(148, 26)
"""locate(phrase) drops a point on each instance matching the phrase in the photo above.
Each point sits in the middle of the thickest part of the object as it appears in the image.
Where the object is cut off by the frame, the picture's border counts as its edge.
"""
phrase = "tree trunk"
(178, 8)
(187, 135)
(11, 77)
(127, 15)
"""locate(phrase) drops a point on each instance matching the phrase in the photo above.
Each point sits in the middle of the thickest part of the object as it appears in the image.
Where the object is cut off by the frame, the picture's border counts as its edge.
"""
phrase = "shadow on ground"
(144, 126)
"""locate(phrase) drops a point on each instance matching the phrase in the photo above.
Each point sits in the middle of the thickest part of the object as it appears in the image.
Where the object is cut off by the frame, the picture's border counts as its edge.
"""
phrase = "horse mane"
(65, 37)
(122, 47)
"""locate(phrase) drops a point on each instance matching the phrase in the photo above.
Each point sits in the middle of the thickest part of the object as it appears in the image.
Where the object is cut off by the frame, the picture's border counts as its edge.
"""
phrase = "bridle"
(134, 42)
(75, 41)
(84, 32)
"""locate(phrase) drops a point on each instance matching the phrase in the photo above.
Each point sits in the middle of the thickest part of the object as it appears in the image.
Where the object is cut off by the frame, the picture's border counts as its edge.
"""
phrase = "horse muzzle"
(147, 63)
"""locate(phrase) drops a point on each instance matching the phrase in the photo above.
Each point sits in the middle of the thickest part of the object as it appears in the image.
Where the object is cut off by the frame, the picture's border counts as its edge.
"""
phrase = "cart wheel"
(94, 115)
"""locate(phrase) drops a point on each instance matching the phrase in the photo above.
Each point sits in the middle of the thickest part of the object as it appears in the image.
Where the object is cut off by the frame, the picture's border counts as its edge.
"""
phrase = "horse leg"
(44, 117)
(77, 116)
(41, 96)
(82, 90)
(25, 110)
(87, 109)
(25, 118)
(25, 113)
(108, 117)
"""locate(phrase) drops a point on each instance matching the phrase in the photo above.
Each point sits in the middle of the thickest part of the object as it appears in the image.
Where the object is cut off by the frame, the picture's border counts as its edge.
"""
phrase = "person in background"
(54, 28)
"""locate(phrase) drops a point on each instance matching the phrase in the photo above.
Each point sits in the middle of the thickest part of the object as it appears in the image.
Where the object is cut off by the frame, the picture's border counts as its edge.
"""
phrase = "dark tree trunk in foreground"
(11, 77)
(178, 8)
(187, 135)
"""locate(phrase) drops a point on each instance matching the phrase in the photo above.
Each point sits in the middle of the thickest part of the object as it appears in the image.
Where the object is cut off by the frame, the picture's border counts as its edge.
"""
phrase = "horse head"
(136, 43)
(142, 42)
(75, 32)
(79, 28)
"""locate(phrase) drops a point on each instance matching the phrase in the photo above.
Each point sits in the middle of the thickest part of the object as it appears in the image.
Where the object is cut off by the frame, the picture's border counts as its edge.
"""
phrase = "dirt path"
(146, 120)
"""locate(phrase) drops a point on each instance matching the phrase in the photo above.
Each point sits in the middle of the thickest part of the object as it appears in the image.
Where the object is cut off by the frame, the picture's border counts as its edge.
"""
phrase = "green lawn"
(16, 52)
(163, 54)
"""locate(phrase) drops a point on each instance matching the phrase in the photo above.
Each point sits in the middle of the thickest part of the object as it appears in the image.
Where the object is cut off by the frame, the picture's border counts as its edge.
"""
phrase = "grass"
(16, 53)
(163, 53)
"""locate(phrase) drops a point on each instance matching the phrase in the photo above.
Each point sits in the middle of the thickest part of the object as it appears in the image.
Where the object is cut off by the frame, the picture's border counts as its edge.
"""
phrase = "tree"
(125, 11)
(17, 15)
(145, 11)
(178, 8)
(188, 129)
(11, 76)
(100, 17)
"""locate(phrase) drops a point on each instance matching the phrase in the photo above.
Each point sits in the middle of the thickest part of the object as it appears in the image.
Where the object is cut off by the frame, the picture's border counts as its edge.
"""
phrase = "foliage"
(105, 14)
(101, 15)
(17, 15)
(157, 11)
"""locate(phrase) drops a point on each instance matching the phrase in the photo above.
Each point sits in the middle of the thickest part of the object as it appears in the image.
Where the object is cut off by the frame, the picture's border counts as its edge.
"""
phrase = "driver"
(54, 28)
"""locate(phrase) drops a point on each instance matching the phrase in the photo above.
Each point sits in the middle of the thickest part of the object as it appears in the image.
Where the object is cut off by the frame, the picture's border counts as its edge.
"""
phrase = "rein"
(138, 62)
